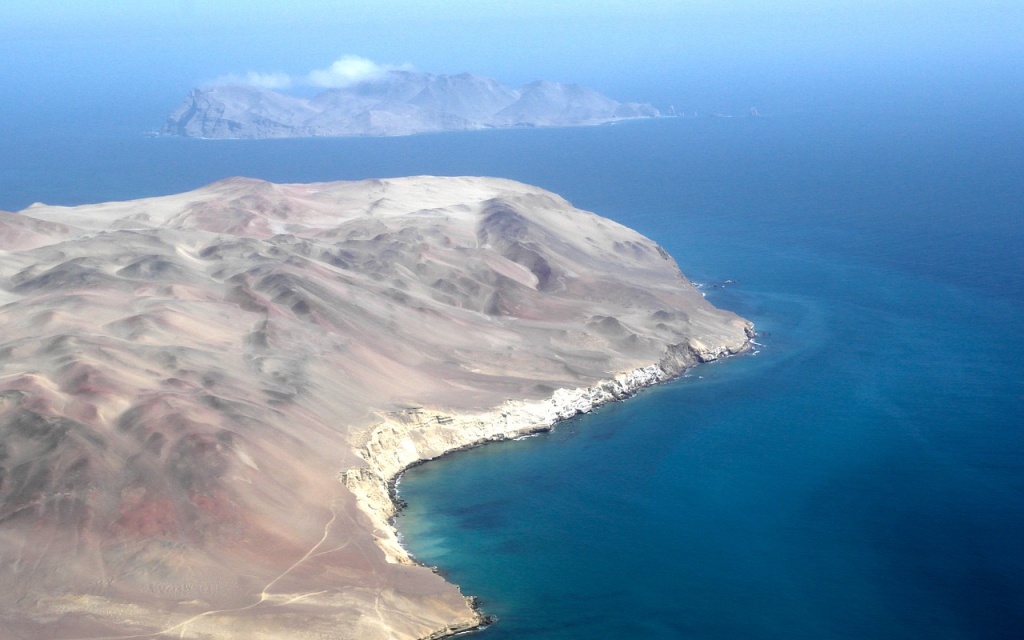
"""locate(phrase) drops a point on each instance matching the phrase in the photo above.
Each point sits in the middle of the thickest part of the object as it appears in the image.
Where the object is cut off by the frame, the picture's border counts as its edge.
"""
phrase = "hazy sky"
(698, 54)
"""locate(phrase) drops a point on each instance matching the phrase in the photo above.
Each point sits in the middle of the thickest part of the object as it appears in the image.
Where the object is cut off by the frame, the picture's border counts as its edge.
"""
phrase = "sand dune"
(183, 379)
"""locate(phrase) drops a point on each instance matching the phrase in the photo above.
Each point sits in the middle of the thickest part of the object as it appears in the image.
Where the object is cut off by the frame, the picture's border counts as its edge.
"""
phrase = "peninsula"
(204, 396)
(394, 104)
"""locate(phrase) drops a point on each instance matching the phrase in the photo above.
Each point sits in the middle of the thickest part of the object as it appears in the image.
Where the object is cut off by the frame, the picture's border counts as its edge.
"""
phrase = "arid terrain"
(203, 395)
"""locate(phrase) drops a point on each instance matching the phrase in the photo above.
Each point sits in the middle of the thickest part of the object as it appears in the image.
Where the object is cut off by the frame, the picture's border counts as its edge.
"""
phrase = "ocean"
(860, 474)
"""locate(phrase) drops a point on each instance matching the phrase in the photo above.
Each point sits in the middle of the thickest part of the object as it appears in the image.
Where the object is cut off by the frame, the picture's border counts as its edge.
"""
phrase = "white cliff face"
(399, 103)
(414, 436)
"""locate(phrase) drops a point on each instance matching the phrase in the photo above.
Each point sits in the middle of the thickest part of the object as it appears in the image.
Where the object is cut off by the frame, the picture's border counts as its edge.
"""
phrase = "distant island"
(205, 396)
(397, 103)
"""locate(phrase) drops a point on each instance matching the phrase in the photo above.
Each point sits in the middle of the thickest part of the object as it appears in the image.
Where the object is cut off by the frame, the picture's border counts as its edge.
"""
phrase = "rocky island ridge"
(396, 103)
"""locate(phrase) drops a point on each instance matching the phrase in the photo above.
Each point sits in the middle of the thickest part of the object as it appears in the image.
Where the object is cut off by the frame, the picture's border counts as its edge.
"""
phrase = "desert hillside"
(185, 380)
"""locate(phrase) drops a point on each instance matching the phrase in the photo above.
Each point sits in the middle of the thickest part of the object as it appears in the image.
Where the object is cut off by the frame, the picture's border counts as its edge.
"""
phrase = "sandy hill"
(203, 396)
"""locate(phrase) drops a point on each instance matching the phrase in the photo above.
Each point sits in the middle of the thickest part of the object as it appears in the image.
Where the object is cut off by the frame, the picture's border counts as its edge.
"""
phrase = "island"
(396, 103)
(205, 398)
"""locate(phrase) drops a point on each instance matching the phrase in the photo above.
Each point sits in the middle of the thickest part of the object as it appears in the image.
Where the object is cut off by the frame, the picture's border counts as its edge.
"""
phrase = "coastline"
(600, 123)
(416, 436)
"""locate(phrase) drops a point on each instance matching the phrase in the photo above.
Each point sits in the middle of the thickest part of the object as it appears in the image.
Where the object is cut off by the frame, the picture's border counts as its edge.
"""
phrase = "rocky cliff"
(413, 436)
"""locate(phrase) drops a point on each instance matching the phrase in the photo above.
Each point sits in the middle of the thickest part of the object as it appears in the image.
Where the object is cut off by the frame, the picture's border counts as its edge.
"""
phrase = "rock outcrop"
(413, 436)
(399, 103)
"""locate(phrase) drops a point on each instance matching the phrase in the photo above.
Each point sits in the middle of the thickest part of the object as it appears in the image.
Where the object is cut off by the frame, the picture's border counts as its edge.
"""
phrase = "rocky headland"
(205, 396)
(397, 103)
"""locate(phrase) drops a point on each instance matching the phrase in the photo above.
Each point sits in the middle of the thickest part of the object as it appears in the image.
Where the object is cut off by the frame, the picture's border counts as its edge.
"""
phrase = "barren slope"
(183, 379)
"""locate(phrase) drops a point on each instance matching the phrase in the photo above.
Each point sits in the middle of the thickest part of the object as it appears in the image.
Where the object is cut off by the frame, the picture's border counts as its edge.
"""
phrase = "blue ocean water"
(860, 476)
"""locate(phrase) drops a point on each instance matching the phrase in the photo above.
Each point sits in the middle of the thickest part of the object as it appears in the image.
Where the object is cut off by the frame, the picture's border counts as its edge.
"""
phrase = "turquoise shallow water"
(861, 475)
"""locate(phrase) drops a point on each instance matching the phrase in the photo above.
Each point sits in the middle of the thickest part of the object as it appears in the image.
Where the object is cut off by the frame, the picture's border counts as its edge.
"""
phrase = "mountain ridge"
(396, 103)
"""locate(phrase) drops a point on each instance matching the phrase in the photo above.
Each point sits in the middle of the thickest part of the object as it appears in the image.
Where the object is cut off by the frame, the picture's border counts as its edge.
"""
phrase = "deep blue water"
(861, 476)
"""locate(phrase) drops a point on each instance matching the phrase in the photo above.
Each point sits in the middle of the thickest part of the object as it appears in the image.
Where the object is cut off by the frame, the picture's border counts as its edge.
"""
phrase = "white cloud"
(278, 80)
(344, 72)
(347, 71)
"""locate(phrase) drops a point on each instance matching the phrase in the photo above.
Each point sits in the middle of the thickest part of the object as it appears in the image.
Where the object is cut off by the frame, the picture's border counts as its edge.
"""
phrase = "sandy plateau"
(204, 396)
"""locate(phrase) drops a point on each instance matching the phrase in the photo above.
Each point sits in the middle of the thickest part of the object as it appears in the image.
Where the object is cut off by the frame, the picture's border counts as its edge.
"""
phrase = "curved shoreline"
(415, 436)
